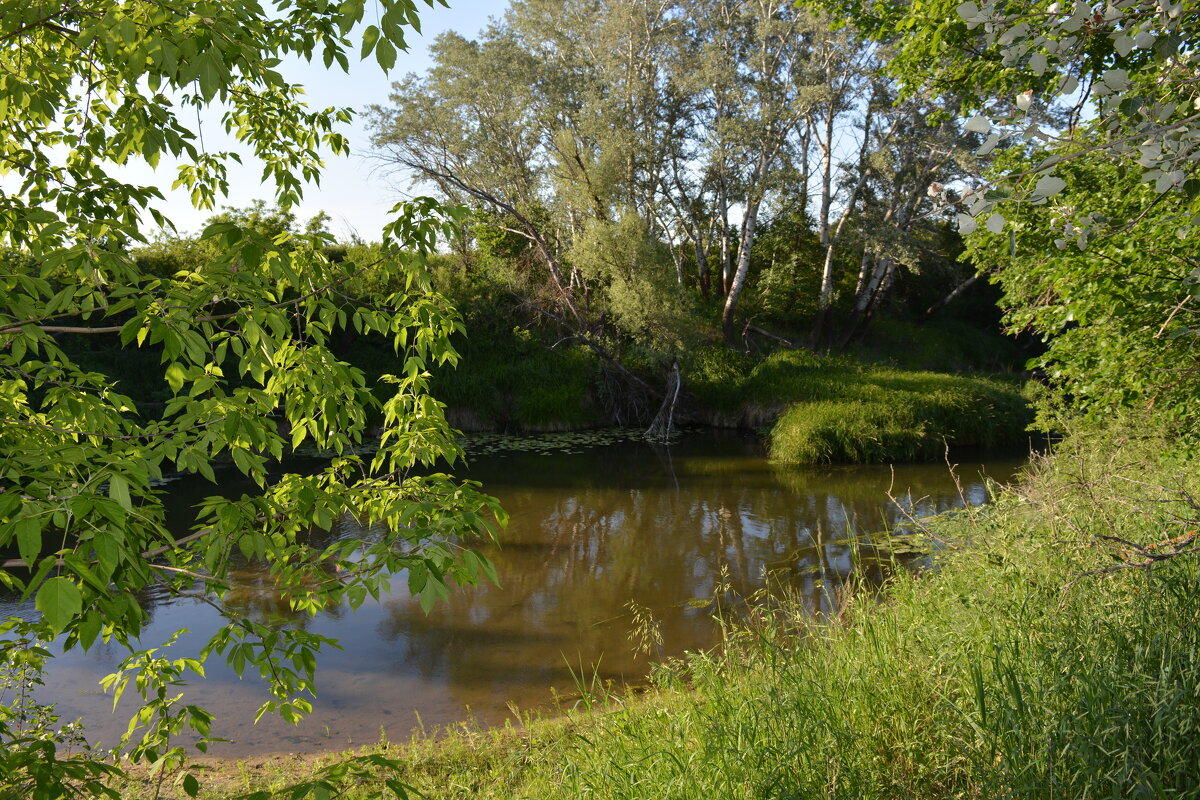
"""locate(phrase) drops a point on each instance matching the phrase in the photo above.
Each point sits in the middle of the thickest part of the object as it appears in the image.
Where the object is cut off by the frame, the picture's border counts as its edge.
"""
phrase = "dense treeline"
(526, 369)
(651, 187)
(649, 170)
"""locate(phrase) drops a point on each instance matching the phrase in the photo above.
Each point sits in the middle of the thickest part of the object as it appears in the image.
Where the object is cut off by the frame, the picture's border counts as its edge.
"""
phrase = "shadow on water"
(590, 531)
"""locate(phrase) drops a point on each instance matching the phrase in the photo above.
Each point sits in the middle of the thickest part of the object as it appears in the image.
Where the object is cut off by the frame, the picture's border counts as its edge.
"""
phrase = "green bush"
(828, 431)
(515, 382)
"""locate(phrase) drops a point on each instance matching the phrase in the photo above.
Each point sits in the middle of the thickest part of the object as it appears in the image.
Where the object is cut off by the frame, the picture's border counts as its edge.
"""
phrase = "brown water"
(590, 531)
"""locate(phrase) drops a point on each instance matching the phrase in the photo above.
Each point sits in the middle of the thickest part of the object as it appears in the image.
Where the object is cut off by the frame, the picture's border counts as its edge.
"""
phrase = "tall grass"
(824, 409)
(1009, 671)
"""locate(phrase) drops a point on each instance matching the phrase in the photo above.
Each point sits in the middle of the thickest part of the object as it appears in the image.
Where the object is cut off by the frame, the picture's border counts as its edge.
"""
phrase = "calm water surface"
(590, 531)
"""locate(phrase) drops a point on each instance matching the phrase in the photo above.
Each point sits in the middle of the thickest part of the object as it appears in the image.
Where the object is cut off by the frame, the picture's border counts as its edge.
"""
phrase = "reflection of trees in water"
(591, 533)
(573, 558)
(254, 594)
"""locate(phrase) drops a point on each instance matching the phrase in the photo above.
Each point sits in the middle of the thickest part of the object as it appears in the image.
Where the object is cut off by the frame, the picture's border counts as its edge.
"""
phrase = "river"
(598, 521)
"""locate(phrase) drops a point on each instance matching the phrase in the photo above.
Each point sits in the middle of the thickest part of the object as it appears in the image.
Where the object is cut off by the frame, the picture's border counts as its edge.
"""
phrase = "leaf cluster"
(244, 328)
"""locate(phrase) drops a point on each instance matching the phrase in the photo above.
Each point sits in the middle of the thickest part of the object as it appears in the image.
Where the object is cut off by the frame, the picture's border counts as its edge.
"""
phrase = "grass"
(823, 410)
(510, 383)
(941, 345)
(1038, 659)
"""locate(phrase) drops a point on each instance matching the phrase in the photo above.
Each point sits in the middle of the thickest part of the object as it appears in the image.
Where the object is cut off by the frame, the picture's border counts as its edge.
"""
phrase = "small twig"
(1171, 316)
(908, 515)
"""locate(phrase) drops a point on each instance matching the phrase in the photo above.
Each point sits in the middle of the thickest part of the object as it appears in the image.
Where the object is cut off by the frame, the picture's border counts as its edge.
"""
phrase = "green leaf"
(191, 785)
(385, 54)
(108, 552)
(399, 789)
(60, 602)
(175, 376)
(29, 539)
(89, 629)
(369, 40)
(118, 490)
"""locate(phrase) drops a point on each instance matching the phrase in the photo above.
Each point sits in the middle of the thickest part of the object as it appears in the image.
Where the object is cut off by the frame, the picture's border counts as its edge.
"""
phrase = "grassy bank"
(1036, 660)
(816, 409)
(878, 404)
(824, 409)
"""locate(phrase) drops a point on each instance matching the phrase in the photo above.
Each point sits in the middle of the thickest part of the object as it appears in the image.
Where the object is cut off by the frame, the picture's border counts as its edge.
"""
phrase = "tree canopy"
(243, 337)
(1089, 219)
(681, 130)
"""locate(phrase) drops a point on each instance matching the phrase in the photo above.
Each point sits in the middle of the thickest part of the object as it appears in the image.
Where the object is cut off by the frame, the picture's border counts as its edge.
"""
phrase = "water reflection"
(589, 532)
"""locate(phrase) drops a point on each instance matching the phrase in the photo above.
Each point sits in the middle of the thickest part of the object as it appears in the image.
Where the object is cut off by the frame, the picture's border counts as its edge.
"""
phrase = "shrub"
(865, 414)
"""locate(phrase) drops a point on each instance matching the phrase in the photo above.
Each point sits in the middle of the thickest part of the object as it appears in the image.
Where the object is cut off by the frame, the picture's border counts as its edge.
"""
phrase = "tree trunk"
(829, 240)
(701, 265)
(950, 298)
(726, 254)
(664, 420)
(805, 145)
(869, 299)
(743, 269)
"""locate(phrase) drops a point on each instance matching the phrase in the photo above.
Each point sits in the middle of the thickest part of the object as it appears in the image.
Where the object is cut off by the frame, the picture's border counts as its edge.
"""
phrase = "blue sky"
(353, 191)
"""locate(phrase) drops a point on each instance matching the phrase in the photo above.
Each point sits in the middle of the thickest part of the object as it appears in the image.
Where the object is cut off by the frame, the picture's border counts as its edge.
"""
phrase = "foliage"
(627, 185)
(1131, 62)
(645, 301)
(36, 729)
(244, 330)
(951, 345)
(1118, 316)
(786, 248)
(169, 253)
(1094, 108)
(516, 383)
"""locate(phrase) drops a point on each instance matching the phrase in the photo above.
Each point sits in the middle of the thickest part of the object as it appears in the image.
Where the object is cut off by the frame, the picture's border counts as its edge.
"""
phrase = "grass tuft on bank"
(834, 410)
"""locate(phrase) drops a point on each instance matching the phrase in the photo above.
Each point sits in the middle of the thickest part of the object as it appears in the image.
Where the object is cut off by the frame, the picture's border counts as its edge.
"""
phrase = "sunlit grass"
(824, 409)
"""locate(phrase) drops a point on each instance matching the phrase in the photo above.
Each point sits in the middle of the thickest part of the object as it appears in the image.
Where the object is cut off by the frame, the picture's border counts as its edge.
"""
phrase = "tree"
(754, 60)
(244, 337)
(916, 145)
(1118, 316)
(1088, 220)
(563, 116)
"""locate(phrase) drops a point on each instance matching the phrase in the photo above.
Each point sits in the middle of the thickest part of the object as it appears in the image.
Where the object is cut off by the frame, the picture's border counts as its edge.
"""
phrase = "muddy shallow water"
(593, 527)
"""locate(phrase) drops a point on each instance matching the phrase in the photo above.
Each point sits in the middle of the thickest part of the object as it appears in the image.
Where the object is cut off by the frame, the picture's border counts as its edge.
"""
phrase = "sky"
(354, 191)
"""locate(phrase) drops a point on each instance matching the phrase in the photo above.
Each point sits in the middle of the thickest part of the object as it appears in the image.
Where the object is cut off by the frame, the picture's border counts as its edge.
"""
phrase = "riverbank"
(811, 408)
(1040, 658)
(904, 393)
